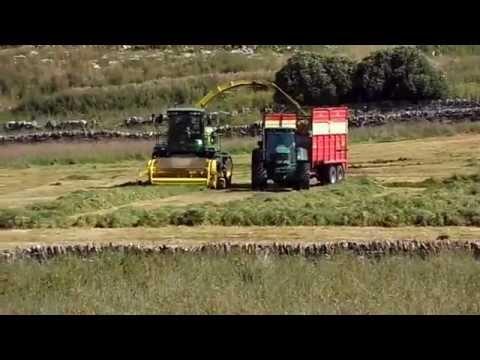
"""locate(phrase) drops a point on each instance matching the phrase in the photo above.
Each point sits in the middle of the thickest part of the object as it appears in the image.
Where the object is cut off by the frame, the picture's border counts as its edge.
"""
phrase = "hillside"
(110, 83)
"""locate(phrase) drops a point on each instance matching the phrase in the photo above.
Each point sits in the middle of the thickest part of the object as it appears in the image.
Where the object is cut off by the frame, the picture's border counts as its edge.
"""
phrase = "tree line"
(395, 74)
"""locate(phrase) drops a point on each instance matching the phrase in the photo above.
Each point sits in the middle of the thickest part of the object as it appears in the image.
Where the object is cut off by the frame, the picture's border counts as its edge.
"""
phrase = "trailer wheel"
(332, 175)
(303, 176)
(259, 173)
(340, 173)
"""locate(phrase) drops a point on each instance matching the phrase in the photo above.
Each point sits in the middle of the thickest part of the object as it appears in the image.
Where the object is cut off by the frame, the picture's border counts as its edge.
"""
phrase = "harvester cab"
(191, 153)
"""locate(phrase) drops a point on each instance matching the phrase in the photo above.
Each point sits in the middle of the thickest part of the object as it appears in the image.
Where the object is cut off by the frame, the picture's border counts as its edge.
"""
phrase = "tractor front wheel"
(303, 176)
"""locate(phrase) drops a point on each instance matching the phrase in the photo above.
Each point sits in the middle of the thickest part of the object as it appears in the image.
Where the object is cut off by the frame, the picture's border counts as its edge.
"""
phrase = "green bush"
(401, 73)
(314, 79)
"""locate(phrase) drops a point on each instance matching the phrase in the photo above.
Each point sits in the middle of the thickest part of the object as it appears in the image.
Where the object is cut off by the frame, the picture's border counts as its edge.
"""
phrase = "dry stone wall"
(373, 248)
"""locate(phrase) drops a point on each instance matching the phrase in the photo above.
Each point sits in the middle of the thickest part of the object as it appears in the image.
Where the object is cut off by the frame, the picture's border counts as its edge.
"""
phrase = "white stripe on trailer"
(338, 128)
(278, 124)
(321, 128)
(332, 128)
(289, 124)
(272, 123)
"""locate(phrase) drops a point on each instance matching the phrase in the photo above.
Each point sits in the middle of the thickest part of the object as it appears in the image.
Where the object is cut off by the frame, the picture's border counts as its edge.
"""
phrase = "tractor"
(281, 156)
(296, 147)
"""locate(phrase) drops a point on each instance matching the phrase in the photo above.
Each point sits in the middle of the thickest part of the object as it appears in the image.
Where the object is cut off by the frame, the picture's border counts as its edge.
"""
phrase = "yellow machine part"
(183, 170)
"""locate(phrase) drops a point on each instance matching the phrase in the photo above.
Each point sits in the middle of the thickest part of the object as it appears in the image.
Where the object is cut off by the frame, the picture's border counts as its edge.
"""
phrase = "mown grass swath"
(358, 202)
(59, 212)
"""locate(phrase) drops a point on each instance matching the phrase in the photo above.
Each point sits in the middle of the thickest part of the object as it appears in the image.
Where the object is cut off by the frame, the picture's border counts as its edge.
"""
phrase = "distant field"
(110, 151)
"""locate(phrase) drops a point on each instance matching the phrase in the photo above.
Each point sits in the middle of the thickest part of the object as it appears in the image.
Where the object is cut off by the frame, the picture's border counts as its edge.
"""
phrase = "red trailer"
(329, 143)
(296, 148)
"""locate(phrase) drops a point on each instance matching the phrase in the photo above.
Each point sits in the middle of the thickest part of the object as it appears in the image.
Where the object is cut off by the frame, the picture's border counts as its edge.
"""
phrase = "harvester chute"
(192, 153)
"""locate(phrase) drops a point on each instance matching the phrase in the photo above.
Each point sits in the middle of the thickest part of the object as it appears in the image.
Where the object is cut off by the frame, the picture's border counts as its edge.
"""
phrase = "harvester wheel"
(221, 183)
(259, 173)
(229, 171)
(303, 176)
(340, 173)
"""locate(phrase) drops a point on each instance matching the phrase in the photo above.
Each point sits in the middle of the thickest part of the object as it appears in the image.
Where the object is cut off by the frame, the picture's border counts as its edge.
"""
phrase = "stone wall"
(373, 248)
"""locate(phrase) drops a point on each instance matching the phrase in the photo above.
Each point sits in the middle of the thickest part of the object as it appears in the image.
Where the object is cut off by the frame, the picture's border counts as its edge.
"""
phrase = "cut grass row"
(241, 284)
(357, 202)
(57, 213)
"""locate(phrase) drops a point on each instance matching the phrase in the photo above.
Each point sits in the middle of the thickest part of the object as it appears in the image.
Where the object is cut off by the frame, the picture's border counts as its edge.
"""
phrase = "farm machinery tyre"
(340, 173)
(229, 171)
(224, 171)
(259, 173)
(330, 177)
(303, 176)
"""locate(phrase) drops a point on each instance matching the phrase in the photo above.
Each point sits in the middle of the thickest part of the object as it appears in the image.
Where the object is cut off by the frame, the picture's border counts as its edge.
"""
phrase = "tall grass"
(101, 81)
(155, 94)
(234, 284)
(59, 68)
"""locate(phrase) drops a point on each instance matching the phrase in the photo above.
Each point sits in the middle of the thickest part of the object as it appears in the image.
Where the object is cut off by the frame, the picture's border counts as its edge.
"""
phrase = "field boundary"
(374, 248)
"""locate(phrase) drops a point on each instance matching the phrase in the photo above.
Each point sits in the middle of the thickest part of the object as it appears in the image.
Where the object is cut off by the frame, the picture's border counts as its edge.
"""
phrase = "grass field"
(109, 84)
(391, 184)
(405, 182)
(88, 195)
(188, 284)
(110, 151)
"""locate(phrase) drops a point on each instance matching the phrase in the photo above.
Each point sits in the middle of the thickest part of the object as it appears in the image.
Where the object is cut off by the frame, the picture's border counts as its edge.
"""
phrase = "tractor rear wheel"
(259, 173)
(303, 176)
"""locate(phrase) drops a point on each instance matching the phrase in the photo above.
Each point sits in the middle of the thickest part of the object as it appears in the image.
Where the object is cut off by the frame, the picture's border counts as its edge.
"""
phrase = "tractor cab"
(279, 146)
(282, 152)
(281, 155)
